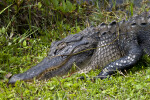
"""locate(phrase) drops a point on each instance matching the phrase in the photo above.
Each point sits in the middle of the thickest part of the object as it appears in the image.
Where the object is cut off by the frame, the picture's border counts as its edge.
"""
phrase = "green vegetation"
(28, 27)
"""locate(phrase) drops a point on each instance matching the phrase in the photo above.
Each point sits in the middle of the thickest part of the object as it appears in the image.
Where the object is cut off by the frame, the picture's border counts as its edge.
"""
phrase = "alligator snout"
(48, 64)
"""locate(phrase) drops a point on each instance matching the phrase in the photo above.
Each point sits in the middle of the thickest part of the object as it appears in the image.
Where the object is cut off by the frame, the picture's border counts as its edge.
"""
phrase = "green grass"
(131, 86)
(21, 51)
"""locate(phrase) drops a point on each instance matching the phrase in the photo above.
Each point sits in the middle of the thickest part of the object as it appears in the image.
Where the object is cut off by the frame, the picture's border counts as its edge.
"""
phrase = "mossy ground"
(20, 52)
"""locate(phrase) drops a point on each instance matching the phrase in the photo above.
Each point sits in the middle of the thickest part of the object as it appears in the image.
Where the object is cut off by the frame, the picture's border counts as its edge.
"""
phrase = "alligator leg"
(133, 55)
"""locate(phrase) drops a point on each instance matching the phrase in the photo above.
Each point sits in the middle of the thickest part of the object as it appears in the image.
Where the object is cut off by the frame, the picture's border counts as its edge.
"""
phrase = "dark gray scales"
(132, 42)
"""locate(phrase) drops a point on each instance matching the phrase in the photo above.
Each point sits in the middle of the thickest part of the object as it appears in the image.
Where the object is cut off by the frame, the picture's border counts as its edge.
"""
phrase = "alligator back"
(115, 39)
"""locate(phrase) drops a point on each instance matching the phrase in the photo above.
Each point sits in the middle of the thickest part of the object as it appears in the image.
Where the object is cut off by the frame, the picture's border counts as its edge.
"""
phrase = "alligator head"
(75, 48)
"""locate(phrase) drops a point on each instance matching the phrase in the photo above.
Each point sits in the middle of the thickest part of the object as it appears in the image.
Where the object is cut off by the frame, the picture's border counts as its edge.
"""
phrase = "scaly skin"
(118, 46)
(132, 39)
(62, 56)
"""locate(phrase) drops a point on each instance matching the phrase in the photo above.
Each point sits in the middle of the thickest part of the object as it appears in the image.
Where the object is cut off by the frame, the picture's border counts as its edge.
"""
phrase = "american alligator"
(110, 47)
